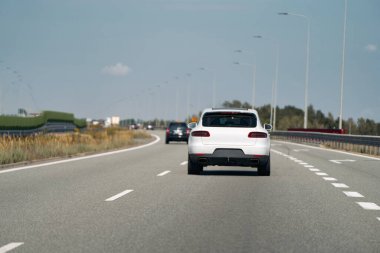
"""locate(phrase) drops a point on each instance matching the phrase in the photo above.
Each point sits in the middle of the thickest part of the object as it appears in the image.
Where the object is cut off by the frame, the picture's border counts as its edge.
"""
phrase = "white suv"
(229, 137)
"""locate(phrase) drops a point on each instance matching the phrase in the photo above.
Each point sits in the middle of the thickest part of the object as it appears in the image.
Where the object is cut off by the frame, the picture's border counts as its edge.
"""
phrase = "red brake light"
(257, 135)
(167, 131)
(200, 134)
(188, 131)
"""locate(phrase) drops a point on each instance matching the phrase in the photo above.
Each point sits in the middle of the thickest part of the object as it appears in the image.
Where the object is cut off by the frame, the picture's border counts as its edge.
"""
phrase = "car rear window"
(177, 125)
(227, 119)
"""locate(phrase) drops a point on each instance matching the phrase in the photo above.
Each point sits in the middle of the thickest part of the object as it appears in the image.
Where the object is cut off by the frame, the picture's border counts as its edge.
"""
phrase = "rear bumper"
(199, 148)
(177, 137)
(229, 158)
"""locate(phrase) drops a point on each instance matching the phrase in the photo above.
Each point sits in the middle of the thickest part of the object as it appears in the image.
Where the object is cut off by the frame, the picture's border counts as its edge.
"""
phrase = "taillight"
(188, 131)
(167, 131)
(200, 134)
(257, 135)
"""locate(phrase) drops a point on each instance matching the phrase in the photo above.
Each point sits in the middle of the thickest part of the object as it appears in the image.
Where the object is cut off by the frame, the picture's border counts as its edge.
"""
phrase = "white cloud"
(371, 48)
(119, 69)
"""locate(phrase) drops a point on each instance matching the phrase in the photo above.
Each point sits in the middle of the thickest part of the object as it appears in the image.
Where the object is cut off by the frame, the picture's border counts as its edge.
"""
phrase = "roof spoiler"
(246, 109)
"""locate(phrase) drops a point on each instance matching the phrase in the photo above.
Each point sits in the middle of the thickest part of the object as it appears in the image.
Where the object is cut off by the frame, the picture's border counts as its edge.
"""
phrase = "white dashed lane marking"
(10, 246)
(300, 150)
(340, 161)
(163, 173)
(368, 205)
(330, 179)
(119, 195)
(353, 194)
(183, 163)
(340, 185)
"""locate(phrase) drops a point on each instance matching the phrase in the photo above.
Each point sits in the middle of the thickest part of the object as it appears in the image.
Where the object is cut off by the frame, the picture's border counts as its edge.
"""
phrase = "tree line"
(292, 117)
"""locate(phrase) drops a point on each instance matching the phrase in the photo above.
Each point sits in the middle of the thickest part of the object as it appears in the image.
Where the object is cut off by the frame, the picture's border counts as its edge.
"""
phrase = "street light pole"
(273, 103)
(343, 61)
(213, 88)
(187, 96)
(275, 87)
(307, 74)
(253, 76)
(253, 66)
(307, 61)
(176, 98)
(253, 85)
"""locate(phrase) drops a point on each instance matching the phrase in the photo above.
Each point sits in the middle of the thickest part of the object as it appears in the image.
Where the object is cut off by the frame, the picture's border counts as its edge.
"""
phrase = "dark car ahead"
(177, 131)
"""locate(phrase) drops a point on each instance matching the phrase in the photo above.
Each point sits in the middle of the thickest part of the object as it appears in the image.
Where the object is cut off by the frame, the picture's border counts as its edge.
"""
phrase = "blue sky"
(142, 58)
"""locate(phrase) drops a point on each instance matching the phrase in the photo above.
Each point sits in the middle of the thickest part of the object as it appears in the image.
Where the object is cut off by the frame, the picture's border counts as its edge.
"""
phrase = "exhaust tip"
(255, 162)
(203, 160)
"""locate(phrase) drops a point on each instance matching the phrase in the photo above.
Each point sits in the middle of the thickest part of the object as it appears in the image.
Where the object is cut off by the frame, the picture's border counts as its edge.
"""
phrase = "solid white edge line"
(83, 157)
(183, 163)
(340, 185)
(353, 194)
(163, 173)
(10, 246)
(119, 195)
(326, 149)
(368, 205)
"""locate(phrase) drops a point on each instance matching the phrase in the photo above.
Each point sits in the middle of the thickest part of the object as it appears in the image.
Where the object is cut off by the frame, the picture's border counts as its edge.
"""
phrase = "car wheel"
(264, 170)
(193, 168)
(166, 141)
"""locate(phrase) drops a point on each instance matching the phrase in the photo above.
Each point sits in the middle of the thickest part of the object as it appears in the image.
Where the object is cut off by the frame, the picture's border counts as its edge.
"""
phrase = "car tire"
(193, 168)
(264, 170)
(166, 141)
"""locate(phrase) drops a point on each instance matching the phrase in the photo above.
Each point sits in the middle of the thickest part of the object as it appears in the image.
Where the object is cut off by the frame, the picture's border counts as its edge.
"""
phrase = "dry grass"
(20, 149)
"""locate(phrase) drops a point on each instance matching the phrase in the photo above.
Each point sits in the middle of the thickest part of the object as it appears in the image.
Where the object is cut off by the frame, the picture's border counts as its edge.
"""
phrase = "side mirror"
(268, 127)
(192, 125)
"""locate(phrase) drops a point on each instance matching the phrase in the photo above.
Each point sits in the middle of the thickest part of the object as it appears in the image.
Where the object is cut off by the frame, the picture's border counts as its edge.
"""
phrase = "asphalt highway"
(142, 200)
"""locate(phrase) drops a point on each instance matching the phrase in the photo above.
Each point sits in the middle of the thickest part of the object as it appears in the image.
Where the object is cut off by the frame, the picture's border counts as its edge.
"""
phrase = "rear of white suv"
(229, 137)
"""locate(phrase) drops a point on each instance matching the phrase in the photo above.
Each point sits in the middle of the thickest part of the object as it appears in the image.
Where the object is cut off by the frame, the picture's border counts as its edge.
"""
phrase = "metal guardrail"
(50, 127)
(353, 139)
(356, 143)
